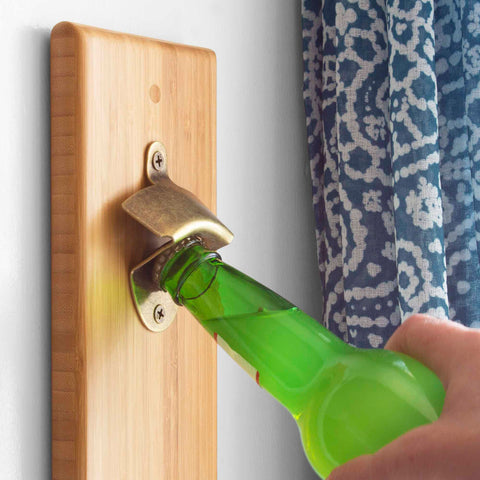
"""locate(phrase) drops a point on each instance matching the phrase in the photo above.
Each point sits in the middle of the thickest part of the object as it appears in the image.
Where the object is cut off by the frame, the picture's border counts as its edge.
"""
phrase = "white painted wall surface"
(263, 196)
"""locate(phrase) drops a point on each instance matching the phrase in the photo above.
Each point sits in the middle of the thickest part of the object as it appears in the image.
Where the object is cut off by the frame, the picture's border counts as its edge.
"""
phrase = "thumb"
(441, 345)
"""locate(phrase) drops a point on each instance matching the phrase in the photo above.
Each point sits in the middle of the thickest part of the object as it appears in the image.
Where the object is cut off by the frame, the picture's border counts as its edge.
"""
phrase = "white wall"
(263, 196)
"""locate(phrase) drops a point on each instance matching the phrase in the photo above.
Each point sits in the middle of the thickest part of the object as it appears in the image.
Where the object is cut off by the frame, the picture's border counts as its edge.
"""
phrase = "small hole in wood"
(155, 93)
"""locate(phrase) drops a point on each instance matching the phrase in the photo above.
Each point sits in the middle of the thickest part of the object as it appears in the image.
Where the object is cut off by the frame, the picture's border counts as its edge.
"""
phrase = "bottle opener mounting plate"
(172, 214)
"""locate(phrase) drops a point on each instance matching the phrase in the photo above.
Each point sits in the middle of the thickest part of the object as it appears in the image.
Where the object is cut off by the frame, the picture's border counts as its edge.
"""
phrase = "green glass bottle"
(347, 401)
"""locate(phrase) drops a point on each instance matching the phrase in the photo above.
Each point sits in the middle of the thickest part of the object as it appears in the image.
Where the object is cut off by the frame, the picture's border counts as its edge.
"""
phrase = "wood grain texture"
(126, 403)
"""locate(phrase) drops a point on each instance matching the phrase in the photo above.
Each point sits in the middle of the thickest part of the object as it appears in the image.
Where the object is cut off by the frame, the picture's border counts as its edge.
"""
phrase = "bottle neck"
(282, 348)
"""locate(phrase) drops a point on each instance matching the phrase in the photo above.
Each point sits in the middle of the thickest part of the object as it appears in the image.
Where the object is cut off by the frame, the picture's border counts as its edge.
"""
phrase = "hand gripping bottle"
(346, 401)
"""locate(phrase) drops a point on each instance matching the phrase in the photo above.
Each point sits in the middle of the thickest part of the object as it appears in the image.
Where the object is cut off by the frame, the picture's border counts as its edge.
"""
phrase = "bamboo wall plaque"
(126, 403)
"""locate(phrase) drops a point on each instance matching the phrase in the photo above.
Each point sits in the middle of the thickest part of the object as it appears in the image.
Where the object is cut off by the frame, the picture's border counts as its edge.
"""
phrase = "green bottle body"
(346, 401)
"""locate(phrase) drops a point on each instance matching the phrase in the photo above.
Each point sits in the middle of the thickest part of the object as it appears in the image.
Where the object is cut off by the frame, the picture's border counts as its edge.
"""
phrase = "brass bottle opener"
(173, 214)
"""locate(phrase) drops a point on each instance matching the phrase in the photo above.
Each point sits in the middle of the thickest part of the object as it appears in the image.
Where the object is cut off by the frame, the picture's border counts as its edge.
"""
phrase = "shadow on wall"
(32, 375)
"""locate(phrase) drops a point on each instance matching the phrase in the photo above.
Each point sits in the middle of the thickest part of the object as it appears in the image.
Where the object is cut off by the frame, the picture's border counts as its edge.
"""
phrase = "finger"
(360, 468)
(441, 345)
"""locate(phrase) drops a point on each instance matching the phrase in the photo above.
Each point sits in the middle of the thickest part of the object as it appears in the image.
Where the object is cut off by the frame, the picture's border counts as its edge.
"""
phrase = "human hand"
(448, 449)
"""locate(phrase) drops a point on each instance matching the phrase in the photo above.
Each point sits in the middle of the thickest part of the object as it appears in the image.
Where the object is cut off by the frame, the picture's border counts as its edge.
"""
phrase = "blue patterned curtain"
(392, 99)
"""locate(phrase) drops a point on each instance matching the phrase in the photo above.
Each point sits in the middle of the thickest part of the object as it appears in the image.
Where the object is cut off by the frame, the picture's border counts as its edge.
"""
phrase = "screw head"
(158, 313)
(157, 160)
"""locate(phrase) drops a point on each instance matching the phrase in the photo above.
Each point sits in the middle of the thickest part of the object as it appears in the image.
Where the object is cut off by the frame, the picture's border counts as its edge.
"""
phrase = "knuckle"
(399, 340)
(423, 327)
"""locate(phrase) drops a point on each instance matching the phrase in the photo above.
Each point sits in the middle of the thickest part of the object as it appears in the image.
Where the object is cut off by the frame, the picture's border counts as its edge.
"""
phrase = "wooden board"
(128, 404)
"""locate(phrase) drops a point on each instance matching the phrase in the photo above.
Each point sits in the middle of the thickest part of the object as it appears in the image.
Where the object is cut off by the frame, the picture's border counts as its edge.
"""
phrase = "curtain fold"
(392, 101)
